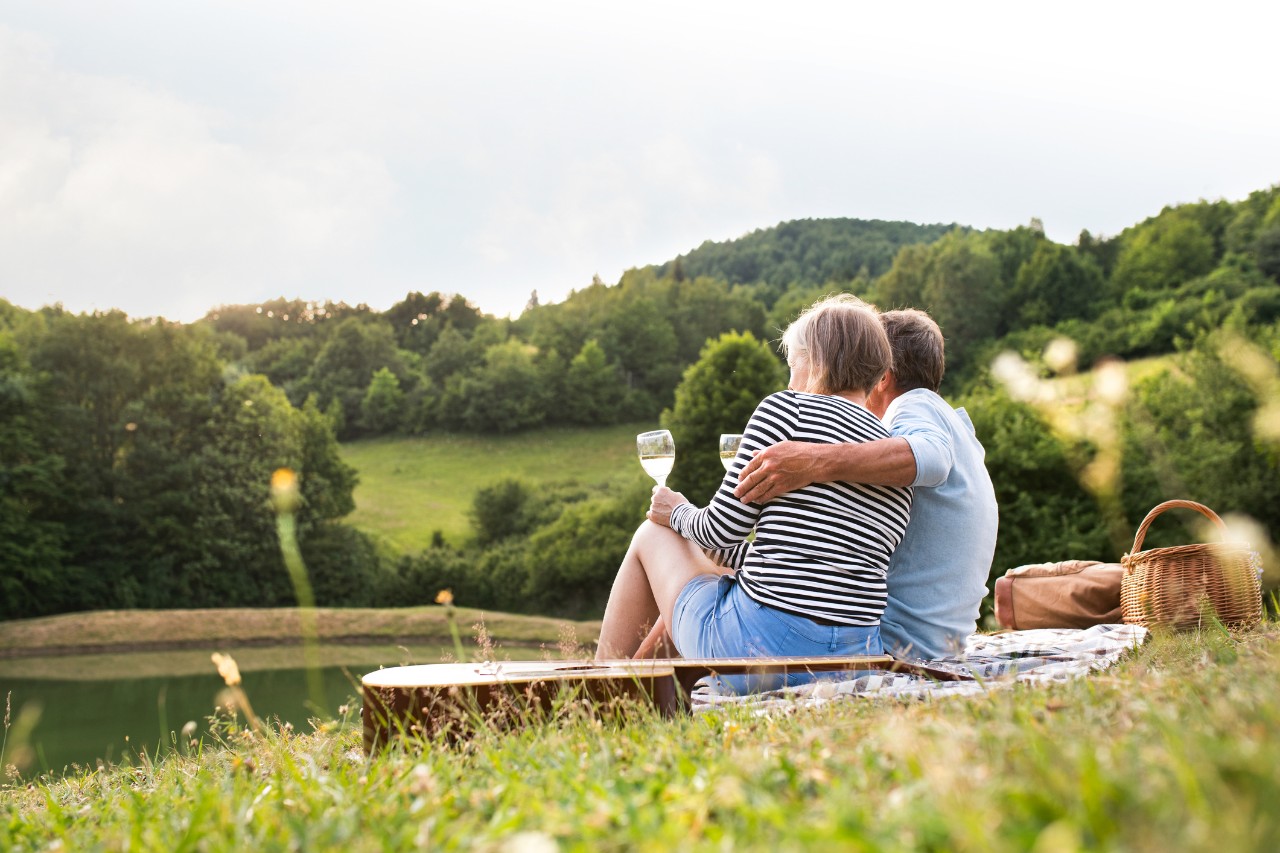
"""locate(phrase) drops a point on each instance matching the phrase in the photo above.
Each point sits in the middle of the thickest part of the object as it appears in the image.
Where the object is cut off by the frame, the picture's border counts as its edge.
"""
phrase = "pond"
(112, 707)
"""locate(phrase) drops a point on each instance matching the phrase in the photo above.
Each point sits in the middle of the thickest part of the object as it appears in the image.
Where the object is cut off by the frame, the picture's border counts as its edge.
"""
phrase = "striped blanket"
(1042, 656)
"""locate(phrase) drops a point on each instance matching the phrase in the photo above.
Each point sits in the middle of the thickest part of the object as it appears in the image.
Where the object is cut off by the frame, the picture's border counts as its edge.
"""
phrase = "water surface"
(113, 707)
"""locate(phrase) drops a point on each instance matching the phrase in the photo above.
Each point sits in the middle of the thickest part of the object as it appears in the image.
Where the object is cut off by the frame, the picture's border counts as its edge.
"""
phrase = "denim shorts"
(714, 617)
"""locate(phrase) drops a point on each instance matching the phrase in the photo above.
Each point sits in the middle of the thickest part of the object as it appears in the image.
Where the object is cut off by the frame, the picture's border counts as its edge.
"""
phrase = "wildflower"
(421, 780)
(227, 669)
(531, 842)
(445, 597)
(1111, 382)
(284, 490)
(1018, 378)
(1061, 355)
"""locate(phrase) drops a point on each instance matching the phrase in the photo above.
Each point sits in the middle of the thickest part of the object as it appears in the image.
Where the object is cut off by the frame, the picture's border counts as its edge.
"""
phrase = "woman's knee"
(649, 530)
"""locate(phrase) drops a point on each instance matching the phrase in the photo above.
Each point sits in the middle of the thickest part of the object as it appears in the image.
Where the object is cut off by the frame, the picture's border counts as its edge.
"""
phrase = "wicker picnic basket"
(1187, 585)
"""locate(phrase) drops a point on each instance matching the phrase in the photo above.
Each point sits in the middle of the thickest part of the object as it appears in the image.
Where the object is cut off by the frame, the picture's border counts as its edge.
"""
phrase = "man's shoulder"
(916, 404)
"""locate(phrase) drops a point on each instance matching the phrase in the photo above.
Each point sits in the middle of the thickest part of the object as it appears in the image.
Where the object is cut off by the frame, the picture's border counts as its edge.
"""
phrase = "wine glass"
(729, 444)
(657, 451)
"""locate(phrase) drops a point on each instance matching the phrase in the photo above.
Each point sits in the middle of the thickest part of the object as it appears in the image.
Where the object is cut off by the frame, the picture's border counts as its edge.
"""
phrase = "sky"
(167, 158)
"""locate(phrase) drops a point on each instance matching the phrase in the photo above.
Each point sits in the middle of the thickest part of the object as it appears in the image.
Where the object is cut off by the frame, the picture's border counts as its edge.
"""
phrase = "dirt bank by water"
(114, 631)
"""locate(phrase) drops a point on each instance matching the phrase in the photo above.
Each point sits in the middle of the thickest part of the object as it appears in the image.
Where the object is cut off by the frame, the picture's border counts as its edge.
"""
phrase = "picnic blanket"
(1039, 656)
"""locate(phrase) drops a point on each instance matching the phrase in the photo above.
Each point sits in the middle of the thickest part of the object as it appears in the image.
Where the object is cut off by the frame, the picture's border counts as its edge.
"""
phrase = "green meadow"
(1175, 748)
(411, 487)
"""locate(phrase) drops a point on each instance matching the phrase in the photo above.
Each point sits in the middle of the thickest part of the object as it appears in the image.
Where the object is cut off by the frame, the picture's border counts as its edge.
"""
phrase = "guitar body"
(421, 701)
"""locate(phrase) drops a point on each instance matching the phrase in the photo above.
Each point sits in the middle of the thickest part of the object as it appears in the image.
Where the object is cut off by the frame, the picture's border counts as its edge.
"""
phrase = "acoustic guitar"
(424, 700)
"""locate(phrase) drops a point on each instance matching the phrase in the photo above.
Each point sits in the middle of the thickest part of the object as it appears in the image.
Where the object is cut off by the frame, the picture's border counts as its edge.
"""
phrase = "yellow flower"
(445, 597)
(284, 490)
(227, 669)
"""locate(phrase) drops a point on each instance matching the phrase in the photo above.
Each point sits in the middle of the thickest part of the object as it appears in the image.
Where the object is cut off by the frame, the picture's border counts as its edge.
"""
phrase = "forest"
(136, 453)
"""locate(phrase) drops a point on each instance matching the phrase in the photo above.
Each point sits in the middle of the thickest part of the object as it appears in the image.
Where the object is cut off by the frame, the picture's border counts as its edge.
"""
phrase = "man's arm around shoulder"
(791, 465)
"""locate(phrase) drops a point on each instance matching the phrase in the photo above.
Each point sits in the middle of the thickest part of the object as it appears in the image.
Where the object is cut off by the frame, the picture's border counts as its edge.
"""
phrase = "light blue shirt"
(938, 573)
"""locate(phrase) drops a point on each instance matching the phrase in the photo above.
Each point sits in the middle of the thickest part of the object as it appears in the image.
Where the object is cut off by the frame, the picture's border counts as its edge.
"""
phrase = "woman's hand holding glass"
(663, 502)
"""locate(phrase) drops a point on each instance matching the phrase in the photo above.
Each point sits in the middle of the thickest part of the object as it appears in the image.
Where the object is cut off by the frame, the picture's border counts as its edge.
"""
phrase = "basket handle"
(1175, 504)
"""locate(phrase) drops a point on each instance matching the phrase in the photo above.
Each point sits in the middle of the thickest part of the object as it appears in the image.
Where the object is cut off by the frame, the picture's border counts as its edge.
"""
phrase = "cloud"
(116, 193)
(166, 158)
(639, 200)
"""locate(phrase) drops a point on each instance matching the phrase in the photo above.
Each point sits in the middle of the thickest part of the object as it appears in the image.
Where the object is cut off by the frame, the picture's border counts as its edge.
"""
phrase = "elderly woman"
(813, 580)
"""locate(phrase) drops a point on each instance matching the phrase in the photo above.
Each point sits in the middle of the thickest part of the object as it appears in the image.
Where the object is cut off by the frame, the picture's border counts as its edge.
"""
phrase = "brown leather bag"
(1069, 594)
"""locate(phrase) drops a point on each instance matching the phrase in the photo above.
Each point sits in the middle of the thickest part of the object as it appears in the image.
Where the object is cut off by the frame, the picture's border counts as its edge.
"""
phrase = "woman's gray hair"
(845, 345)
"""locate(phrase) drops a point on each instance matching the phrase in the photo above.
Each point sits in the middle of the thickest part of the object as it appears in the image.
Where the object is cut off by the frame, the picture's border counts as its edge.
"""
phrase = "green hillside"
(410, 487)
(136, 457)
(806, 251)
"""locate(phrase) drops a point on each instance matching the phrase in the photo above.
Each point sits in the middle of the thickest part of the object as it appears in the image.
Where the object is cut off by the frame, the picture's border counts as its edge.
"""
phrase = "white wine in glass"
(729, 444)
(657, 451)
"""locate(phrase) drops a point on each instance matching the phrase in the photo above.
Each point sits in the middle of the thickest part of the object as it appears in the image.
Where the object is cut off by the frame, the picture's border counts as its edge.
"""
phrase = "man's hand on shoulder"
(776, 470)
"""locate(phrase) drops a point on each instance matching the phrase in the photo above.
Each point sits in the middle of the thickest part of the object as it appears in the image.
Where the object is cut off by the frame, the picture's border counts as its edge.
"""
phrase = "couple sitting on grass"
(829, 474)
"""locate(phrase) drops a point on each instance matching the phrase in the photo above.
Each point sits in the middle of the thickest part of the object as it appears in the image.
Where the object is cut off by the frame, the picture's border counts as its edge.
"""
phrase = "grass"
(411, 487)
(1175, 748)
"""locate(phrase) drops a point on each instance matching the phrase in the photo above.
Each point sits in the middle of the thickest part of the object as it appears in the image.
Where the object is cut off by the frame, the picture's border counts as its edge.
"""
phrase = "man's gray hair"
(919, 356)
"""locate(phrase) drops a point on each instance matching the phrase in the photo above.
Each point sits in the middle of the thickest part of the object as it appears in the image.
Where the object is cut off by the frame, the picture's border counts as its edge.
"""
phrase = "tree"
(500, 511)
(1267, 250)
(903, 285)
(416, 321)
(31, 542)
(285, 361)
(963, 291)
(805, 252)
(327, 482)
(703, 308)
(718, 394)
(98, 378)
(1045, 513)
(137, 469)
(1162, 253)
(343, 369)
(502, 395)
(195, 487)
(382, 408)
(593, 389)
(1189, 433)
(1053, 285)
(571, 562)
(639, 337)
(345, 568)
(451, 354)
(461, 314)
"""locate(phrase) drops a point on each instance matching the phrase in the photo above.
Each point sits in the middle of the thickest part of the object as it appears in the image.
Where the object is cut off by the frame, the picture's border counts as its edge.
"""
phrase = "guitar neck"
(731, 666)
(689, 670)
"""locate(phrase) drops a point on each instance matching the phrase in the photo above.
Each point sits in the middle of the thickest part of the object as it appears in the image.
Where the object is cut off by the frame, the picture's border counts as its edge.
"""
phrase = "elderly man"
(937, 576)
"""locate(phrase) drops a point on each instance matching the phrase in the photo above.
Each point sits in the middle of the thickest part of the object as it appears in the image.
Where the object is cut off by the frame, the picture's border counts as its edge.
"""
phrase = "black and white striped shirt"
(821, 551)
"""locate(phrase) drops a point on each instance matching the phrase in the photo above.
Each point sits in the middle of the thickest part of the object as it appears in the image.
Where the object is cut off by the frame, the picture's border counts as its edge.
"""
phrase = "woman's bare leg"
(656, 568)
(657, 645)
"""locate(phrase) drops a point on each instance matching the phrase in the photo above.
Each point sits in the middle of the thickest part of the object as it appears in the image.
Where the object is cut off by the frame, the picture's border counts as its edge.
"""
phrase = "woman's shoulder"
(830, 408)
(785, 399)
